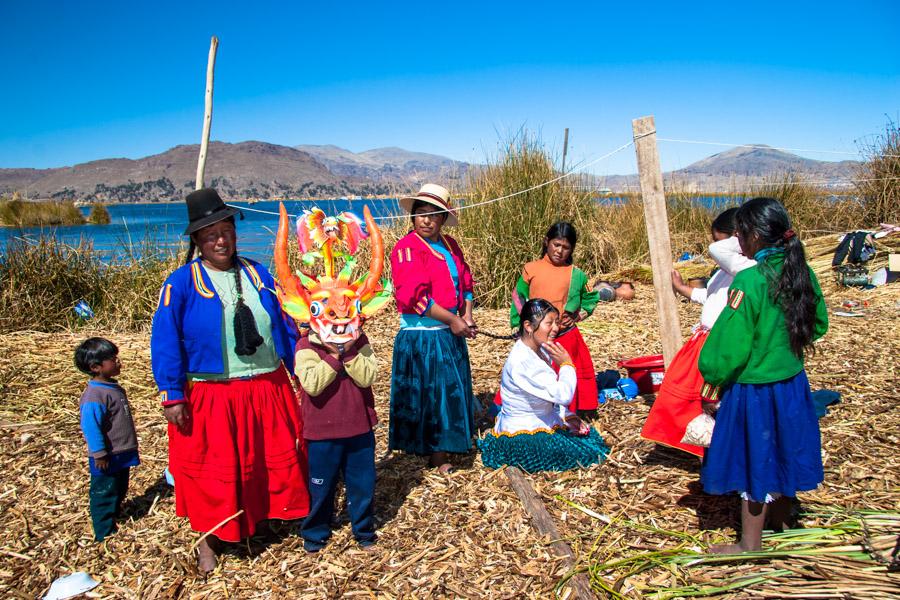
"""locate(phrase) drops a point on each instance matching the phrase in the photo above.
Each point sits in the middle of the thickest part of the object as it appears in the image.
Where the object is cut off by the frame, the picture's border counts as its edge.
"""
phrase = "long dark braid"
(190, 253)
(792, 290)
(246, 334)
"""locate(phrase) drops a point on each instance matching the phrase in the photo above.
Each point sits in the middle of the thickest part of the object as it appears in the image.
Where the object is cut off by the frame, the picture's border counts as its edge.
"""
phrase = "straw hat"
(436, 195)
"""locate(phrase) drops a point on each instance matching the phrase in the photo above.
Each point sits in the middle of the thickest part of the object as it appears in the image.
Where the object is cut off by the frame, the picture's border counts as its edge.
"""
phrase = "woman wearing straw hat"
(222, 351)
(432, 406)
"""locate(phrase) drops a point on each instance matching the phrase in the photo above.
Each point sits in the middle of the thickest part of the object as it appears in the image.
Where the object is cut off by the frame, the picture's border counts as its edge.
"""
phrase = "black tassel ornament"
(246, 335)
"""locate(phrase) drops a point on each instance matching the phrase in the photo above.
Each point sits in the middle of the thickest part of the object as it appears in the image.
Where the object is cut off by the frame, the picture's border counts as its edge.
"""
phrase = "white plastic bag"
(699, 431)
(71, 585)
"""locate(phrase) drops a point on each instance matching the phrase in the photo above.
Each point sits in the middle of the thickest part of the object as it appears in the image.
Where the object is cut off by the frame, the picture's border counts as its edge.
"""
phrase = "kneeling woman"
(535, 431)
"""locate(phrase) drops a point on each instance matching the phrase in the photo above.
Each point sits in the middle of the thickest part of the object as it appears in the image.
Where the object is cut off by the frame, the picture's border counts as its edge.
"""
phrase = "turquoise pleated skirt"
(541, 450)
(432, 405)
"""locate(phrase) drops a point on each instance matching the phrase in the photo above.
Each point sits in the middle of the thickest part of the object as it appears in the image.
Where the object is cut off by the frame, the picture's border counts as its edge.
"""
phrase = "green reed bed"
(99, 215)
(878, 179)
(41, 281)
(15, 212)
(858, 548)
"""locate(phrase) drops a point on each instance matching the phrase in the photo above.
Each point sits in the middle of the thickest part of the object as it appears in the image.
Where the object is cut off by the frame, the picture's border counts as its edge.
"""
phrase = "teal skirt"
(542, 450)
(432, 405)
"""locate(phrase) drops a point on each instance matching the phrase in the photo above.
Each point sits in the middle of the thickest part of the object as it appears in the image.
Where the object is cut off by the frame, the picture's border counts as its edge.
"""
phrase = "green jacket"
(749, 342)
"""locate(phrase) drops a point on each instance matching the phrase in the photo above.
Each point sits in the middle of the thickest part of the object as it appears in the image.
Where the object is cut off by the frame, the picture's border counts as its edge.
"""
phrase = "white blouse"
(714, 297)
(533, 396)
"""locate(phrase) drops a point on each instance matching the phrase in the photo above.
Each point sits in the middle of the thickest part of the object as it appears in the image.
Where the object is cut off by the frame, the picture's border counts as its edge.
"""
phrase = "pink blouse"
(421, 275)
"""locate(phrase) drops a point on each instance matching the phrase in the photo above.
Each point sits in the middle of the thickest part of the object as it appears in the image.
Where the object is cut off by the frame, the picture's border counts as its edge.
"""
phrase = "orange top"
(547, 281)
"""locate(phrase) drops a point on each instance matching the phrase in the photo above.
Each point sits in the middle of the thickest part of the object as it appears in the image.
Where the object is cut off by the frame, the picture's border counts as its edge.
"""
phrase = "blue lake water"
(136, 227)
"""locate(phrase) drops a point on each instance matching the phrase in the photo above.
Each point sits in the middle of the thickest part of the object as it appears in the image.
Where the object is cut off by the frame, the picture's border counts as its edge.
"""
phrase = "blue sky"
(89, 80)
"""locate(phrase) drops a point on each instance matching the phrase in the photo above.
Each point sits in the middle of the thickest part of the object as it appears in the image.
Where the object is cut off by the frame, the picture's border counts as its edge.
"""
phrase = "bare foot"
(206, 559)
(446, 469)
(731, 549)
(438, 459)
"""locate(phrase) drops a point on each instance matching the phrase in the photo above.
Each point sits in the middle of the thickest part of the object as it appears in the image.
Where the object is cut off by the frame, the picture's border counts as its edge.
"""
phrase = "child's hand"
(332, 349)
(710, 408)
(679, 285)
(102, 463)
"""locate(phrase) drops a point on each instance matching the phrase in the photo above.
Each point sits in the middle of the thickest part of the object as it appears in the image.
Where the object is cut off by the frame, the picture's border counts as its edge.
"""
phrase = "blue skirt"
(766, 441)
(542, 450)
(432, 405)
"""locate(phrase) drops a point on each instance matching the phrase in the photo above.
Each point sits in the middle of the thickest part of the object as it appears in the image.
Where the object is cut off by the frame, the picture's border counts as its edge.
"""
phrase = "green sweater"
(749, 342)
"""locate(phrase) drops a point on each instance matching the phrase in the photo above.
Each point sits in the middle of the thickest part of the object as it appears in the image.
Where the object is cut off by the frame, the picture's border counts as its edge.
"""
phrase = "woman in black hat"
(222, 352)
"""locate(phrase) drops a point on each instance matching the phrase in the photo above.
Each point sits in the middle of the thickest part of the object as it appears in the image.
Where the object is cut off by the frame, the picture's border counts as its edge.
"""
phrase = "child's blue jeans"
(107, 493)
(354, 458)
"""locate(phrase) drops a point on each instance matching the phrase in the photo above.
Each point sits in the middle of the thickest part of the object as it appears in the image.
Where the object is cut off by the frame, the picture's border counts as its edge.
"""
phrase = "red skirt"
(242, 450)
(678, 400)
(586, 390)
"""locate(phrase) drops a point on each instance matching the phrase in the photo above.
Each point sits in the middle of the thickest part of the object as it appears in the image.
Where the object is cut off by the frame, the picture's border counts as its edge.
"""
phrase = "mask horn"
(376, 265)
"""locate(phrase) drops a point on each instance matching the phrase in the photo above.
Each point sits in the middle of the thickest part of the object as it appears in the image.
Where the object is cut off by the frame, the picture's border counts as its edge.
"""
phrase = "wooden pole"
(207, 113)
(565, 149)
(654, 198)
(543, 523)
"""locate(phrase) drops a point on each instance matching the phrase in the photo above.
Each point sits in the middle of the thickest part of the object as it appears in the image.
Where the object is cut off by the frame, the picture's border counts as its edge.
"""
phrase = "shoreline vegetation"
(41, 280)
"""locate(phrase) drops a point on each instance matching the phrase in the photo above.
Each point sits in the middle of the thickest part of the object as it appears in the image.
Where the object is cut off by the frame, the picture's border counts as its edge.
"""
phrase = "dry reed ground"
(465, 535)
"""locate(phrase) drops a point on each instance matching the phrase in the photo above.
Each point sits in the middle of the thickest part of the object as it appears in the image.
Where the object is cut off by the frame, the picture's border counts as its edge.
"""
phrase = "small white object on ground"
(168, 475)
(71, 585)
(879, 277)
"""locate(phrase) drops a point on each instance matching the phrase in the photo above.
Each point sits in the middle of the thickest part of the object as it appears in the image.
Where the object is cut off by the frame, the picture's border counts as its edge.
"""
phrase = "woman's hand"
(176, 414)
(567, 320)
(710, 408)
(679, 285)
(577, 426)
(459, 327)
(556, 351)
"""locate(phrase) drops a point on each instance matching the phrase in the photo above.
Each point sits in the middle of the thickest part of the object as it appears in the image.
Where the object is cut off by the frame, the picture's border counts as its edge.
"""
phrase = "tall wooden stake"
(207, 113)
(654, 199)
(565, 149)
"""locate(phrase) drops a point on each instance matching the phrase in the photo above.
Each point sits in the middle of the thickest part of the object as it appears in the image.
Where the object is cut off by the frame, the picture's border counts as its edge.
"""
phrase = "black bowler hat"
(205, 207)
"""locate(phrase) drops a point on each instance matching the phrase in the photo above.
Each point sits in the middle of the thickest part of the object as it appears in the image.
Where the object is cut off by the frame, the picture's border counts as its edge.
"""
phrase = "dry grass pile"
(464, 535)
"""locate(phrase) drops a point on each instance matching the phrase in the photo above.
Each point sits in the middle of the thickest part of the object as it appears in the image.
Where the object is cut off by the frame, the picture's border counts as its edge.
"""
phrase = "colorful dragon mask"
(335, 306)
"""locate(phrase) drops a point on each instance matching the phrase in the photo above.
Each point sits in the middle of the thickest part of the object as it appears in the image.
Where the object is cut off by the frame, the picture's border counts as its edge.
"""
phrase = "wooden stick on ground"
(654, 199)
(544, 525)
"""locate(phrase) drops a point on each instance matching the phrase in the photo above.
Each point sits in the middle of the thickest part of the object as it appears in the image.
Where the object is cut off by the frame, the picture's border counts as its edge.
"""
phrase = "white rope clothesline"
(580, 168)
(491, 201)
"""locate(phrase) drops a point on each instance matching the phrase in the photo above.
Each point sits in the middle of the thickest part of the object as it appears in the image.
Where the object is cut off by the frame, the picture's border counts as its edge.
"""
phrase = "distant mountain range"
(261, 170)
(742, 168)
(388, 165)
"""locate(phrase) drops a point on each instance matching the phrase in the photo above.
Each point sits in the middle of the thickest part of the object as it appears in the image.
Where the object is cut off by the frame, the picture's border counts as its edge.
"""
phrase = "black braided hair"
(792, 289)
(534, 312)
(246, 335)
